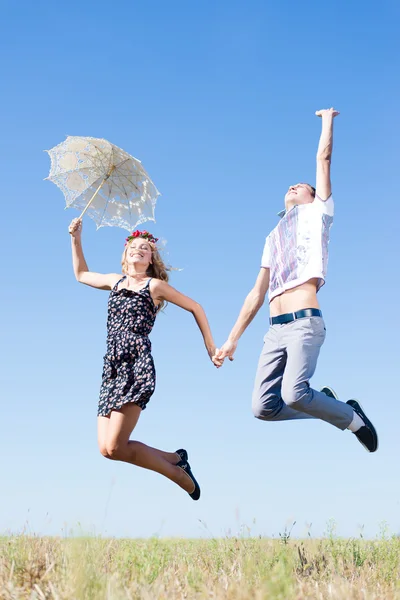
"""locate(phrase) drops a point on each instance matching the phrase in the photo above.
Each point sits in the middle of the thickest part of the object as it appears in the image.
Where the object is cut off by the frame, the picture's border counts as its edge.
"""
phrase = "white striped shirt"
(297, 249)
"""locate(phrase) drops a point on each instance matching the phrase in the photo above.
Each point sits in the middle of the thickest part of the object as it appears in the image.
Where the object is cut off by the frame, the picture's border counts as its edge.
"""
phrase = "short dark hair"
(313, 191)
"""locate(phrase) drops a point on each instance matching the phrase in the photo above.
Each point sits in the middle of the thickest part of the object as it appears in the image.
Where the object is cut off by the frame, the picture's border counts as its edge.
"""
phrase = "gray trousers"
(288, 360)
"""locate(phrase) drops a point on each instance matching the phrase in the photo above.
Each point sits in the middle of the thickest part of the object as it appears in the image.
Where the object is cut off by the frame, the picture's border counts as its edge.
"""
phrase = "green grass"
(226, 568)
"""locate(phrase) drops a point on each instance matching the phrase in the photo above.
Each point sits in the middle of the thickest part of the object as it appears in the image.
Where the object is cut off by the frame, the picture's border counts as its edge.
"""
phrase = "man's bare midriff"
(303, 296)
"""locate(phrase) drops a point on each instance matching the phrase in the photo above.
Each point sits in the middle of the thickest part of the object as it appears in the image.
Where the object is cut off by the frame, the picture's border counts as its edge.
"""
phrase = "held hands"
(226, 351)
(212, 352)
(327, 112)
(75, 228)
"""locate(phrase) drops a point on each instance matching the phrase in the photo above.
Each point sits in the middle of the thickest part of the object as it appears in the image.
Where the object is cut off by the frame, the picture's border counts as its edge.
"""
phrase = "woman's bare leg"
(102, 433)
(113, 437)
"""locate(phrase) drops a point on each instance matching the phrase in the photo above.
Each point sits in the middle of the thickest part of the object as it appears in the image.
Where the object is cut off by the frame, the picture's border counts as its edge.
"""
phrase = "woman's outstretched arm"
(163, 291)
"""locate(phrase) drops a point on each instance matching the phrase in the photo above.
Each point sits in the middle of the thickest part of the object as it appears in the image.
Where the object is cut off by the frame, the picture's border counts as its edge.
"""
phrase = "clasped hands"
(226, 351)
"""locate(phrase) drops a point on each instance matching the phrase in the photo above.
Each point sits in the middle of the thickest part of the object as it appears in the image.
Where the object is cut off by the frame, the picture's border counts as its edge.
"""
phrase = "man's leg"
(267, 401)
(302, 340)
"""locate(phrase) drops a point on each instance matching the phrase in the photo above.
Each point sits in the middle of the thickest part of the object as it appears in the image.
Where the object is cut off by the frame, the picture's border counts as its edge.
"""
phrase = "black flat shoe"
(366, 435)
(184, 465)
(182, 453)
(328, 391)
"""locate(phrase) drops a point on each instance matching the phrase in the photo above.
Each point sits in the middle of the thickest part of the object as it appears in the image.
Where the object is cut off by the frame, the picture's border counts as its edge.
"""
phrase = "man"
(293, 269)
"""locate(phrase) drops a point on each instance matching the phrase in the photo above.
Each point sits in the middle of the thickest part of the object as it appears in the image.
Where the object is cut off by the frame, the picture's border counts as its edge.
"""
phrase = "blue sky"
(218, 101)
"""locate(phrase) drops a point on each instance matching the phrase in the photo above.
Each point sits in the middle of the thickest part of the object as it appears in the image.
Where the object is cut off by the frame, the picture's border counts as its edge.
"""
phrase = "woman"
(128, 380)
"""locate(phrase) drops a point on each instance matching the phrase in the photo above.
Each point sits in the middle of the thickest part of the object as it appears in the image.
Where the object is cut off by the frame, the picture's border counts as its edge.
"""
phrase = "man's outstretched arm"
(252, 304)
(324, 153)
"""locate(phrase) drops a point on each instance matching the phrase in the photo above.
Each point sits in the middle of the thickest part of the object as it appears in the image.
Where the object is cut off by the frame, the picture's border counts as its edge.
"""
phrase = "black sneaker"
(184, 465)
(366, 435)
(328, 391)
(182, 453)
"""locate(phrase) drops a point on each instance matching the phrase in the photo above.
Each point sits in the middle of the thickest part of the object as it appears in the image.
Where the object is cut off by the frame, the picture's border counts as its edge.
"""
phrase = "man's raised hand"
(327, 112)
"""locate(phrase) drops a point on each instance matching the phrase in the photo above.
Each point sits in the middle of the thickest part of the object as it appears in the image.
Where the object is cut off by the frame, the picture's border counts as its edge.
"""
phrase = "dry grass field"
(41, 568)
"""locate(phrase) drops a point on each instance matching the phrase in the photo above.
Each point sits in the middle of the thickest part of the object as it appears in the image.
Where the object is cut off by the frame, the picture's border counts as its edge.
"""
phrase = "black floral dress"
(128, 373)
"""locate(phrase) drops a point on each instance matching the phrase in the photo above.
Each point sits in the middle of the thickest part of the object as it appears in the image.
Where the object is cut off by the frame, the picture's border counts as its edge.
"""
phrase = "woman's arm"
(163, 291)
(81, 270)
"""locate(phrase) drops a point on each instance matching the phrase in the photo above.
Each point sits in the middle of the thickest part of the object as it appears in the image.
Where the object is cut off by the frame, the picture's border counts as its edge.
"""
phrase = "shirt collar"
(284, 212)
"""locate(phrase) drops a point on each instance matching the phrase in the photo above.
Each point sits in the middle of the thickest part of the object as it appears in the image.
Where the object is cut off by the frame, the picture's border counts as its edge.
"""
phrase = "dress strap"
(118, 282)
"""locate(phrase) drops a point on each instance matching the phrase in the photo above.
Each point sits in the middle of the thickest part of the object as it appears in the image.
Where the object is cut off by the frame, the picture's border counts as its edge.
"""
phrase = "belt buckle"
(294, 316)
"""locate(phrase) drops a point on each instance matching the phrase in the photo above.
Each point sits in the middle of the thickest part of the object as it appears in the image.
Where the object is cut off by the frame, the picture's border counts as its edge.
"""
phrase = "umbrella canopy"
(106, 182)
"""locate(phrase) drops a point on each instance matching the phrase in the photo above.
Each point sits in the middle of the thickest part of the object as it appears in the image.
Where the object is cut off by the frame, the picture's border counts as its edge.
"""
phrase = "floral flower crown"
(142, 234)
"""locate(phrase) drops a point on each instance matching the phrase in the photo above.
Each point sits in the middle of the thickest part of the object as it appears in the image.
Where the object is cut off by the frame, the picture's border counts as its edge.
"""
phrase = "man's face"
(301, 193)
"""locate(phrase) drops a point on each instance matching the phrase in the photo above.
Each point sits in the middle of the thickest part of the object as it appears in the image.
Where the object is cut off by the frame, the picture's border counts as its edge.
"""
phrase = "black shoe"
(328, 391)
(182, 453)
(186, 467)
(366, 435)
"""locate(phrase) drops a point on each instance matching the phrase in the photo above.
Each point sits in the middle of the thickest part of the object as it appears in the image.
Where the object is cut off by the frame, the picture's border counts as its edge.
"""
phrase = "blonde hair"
(156, 269)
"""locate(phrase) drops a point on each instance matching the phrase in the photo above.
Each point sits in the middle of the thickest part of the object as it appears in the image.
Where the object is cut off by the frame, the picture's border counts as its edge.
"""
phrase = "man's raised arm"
(324, 153)
(252, 304)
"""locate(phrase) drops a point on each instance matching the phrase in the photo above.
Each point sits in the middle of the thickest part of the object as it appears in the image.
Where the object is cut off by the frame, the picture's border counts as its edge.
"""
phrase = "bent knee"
(257, 409)
(116, 451)
(112, 451)
(265, 408)
(292, 395)
(103, 450)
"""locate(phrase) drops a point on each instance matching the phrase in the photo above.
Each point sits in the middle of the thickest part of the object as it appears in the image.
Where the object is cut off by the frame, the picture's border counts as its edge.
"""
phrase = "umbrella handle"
(91, 200)
(97, 191)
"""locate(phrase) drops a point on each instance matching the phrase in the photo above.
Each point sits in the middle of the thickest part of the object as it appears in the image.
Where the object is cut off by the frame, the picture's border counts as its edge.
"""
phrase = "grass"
(41, 568)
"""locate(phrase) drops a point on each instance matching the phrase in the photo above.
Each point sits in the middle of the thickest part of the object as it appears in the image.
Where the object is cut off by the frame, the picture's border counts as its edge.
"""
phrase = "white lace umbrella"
(101, 179)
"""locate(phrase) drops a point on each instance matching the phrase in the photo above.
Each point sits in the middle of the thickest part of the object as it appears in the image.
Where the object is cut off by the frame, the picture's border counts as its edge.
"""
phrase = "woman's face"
(139, 253)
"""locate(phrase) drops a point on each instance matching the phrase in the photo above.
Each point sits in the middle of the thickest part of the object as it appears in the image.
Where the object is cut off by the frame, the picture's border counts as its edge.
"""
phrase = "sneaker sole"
(367, 422)
(333, 394)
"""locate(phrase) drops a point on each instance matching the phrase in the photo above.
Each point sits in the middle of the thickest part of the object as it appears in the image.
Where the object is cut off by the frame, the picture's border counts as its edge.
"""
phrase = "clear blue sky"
(217, 99)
